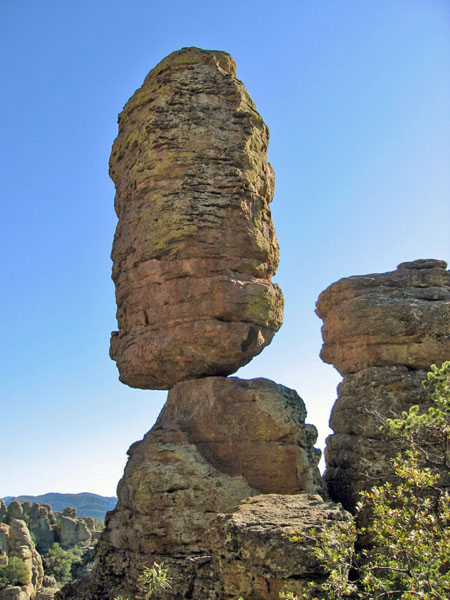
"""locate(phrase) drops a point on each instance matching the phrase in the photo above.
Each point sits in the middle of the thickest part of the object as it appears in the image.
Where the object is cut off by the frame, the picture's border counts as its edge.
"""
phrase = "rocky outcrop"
(216, 442)
(254, 556)
(396, 318)
(382, 331)
(195, 248)
(47, 527)
(229, 466)
(15, 540)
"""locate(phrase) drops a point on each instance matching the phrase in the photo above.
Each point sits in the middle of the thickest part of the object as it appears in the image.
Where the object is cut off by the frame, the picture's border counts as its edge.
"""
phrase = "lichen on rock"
(195, 248)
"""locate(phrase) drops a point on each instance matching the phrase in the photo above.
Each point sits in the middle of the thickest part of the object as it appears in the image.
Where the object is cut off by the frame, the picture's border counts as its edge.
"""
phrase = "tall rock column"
(195, 248)
(381, 332)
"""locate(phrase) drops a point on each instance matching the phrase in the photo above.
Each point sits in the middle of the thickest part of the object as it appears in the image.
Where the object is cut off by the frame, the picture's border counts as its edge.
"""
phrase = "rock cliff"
(195, 248)
(382, 332)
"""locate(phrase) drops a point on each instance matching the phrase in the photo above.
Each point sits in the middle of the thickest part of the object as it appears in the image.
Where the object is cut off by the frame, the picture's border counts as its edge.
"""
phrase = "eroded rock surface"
(382, 331)
(396, 318)
(195, 248)
(48, 527)
(15, 540)
(216, 442)
(253, 556)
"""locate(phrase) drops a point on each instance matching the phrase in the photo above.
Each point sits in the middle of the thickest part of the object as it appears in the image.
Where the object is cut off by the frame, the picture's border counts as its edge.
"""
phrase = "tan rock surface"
(195, 248)
(396, 318)
(358, 456)
(252, 554)
(383, 331)
(216, 442)
(19, 542)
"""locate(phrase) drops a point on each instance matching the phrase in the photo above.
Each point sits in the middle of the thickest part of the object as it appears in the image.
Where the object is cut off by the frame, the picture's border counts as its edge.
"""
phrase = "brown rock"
(3, 510)
(41, 524)
(216, 442)
(4, 538)
(253, 556)
(14, 510)
(13, 593)
(358, 456)
(382, 332)
(195, 248)
(396, 318)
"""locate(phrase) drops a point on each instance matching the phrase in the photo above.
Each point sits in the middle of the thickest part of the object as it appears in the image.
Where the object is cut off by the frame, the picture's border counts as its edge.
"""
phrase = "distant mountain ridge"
(87, 504)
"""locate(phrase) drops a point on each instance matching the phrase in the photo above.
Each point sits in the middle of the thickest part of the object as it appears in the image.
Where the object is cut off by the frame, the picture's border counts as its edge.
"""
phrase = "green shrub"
(407, 541)
(14, 573)
(62, 564)
(151, 579)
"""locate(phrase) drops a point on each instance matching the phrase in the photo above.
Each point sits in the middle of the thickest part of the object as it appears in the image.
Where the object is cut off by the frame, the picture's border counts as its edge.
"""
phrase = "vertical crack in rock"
(381, 332)
(195, 247)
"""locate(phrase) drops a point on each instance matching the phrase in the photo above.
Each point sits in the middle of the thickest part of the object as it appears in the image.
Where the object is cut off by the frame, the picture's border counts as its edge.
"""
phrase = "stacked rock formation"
(47, 527)
(194, 253)
(15, 540)
(381, 332)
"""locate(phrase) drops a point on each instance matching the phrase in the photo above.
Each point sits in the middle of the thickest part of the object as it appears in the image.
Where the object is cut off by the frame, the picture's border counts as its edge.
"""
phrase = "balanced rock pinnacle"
(382, 332)
(195, 248)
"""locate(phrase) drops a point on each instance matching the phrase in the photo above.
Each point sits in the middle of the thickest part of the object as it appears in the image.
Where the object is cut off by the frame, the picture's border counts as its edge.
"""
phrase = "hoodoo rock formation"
(195, 248)
(382, 332)
(194, 253)
(48, 527)
(229, 468)
(15, 541)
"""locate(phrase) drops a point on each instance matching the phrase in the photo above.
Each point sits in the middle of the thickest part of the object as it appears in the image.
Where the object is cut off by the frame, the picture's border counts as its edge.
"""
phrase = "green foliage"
(62, 564)
(151, 580)
(14, 573)
(407, 541)
(428, 432)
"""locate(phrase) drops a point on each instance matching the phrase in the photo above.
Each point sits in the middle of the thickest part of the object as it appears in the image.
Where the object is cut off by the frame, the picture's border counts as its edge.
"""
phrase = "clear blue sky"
(357, 98)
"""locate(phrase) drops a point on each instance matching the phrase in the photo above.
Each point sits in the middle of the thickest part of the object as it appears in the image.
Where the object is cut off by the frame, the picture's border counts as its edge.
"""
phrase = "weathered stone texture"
(15, 540)
(396, 318)
(252, 554)
(216, 442)
(383, 332)
(195, 248)
(358, 456)
(68, 529)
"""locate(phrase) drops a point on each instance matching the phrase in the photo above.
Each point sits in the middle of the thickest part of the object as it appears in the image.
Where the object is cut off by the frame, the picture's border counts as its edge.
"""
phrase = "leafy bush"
(151, 579)
(62, 564)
